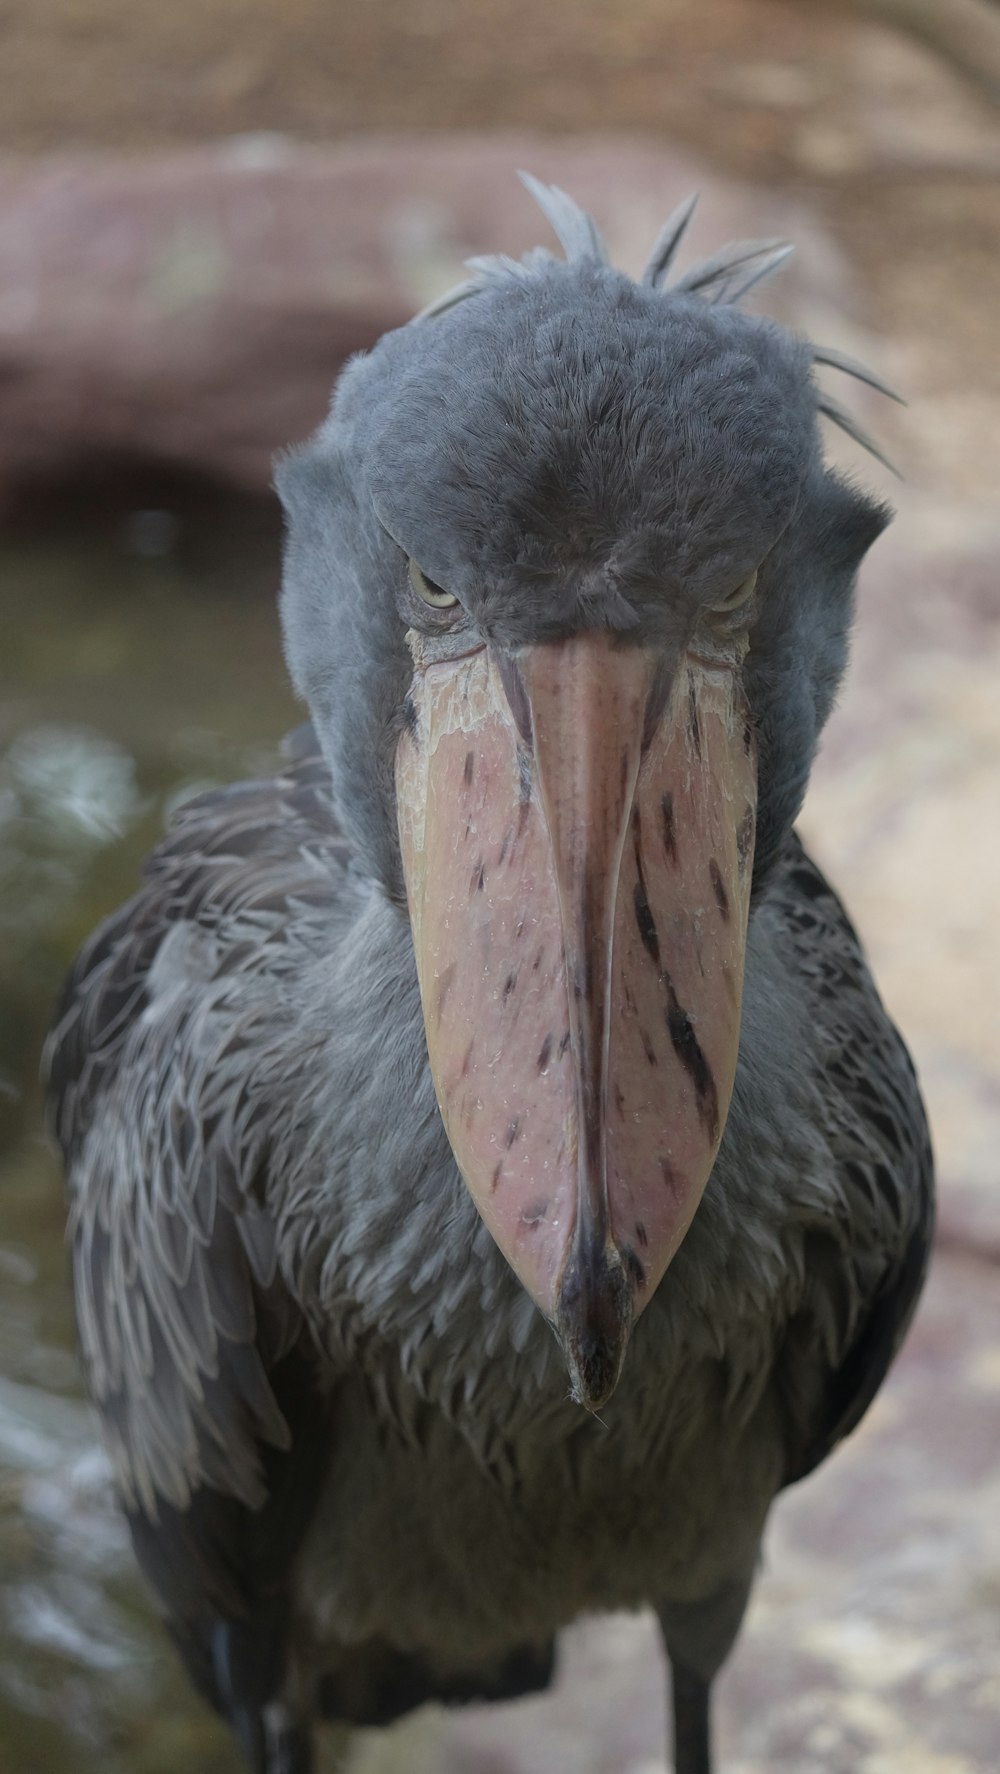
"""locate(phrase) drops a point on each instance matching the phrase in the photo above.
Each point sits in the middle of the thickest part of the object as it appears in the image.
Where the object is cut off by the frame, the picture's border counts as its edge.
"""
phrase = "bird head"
(567, 590)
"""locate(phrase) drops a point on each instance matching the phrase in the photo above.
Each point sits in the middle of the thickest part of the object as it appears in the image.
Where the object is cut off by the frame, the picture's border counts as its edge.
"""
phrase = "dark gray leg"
(692, 1696)
(698, 1637)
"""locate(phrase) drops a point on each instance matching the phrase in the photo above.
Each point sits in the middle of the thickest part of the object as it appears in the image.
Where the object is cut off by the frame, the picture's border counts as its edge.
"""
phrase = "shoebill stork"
(493, 1173)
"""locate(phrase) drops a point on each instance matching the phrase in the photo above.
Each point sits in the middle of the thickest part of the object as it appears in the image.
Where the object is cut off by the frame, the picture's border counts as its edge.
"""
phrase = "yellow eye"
(426, 589)
(740, 595)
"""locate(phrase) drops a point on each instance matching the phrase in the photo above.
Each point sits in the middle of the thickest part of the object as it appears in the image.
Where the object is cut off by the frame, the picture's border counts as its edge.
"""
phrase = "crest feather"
(667, 241)
(576, 231)
(833, 410)
(725, 277)
(839, 360)
(450, 299)
(729, 273)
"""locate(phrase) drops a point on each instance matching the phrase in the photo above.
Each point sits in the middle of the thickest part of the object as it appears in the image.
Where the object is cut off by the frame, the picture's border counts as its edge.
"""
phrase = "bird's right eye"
(428, 592)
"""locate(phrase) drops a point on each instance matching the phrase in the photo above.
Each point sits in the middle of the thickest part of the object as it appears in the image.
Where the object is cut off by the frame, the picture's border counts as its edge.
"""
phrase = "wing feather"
(862, 1284)
(165, 1107)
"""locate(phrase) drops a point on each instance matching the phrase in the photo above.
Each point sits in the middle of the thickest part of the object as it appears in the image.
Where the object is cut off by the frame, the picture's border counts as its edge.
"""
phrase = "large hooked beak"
(577, 836)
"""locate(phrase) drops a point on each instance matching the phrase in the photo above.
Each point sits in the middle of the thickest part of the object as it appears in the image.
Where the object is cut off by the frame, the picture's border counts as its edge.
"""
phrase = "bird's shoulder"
(244, 880)
(162, 1096)
(865, 1262)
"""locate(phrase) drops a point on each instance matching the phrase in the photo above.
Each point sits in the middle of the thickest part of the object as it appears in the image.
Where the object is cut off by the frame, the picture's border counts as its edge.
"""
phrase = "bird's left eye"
(740, 595)
(432, 594)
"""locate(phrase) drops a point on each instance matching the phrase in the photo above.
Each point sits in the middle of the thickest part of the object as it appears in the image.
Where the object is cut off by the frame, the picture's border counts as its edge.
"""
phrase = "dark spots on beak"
(634, 1267)
(513, 1129)
(410, 718)
(508, 839)
(470, 764)
(645, 921)
(667, 827)
(497, 1174)
(517, 699)
(728, 981)
(670, 1176)
(647, 1046)
(744, 838)
(537, 962)
(719, 888)
(619, 1099)
(467, 1062)
(477, 880)
(447, 979)
(508, 985)
(642, 1234)
(688, 1050)
(519, 930)
(564, 1043)
(534, 1213)
(694, 725)
(545, 1053)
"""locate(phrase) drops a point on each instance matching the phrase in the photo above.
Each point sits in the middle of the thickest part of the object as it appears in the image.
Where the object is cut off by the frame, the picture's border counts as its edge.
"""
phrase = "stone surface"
(903, 810)
(190, 312)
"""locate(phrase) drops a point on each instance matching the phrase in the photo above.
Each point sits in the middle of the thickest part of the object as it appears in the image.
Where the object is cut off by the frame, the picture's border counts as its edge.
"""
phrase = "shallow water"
(139, 661)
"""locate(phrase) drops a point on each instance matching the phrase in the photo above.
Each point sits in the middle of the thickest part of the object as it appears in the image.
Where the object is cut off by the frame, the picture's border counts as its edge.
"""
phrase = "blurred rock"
(902, 810)
(191, 310)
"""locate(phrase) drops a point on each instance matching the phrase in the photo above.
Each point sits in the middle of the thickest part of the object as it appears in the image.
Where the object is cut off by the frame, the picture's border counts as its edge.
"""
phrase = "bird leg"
(692, 1696)
(698, 1637)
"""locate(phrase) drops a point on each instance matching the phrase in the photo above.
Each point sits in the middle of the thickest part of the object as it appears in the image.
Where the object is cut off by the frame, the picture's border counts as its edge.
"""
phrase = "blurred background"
(203, 209)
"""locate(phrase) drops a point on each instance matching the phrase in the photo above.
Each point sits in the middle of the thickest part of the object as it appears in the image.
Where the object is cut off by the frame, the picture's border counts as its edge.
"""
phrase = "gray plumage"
(339, 1426)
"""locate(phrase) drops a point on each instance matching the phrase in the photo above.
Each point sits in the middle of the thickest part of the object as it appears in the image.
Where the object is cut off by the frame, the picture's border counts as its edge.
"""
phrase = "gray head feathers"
(725, 277)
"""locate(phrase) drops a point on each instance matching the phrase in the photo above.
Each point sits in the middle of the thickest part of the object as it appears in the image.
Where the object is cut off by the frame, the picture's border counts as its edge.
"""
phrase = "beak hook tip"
(594, 1317)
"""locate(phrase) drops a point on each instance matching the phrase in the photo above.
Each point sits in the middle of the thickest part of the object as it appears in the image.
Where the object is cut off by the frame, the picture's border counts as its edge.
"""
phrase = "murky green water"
(137, 662)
